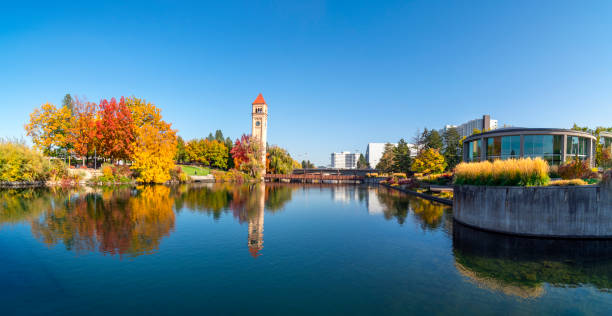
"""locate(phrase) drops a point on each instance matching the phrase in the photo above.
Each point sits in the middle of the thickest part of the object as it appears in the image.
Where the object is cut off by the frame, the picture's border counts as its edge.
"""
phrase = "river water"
(279, 249)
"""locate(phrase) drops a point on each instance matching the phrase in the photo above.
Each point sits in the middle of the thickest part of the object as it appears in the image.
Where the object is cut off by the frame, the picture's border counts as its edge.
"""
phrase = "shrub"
(576, 169)
(573, 182)
(177, 175)
(20, 163)
(512, 172)
(399, 175)
(553, 172)
(58, 170)
(372, 175)
(441, 178)
(107, 171)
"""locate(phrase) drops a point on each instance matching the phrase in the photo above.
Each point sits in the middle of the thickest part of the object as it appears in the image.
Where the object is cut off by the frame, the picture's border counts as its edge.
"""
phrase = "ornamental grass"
(511, 172)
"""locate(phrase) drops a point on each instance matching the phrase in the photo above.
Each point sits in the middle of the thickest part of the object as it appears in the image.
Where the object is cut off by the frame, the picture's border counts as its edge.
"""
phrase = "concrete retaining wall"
(578, 212)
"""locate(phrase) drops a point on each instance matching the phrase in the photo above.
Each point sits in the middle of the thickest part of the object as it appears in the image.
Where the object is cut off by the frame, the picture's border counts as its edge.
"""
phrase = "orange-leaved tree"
(83, 132)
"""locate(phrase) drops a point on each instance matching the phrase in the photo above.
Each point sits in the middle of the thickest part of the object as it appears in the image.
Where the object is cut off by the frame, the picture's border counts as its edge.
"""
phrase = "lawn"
(195, 170)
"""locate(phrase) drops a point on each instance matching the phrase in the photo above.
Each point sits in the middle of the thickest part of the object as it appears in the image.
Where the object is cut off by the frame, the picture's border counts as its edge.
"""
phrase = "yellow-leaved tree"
(49, 128)
(155, 145)
(429, 161)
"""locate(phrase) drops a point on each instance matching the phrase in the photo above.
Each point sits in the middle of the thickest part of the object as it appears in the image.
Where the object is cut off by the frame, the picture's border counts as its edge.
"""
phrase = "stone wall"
(577, 211)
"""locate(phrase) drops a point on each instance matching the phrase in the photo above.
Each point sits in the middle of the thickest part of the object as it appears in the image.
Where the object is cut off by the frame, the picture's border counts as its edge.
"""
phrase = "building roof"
(507, 131)
(259, 100)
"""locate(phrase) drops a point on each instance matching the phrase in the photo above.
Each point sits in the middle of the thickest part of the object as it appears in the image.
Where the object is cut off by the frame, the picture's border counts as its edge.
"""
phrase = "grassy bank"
(195, 170)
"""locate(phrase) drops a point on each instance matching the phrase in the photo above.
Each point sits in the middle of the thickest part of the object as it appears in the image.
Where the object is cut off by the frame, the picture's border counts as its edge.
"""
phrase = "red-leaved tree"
(115, 129)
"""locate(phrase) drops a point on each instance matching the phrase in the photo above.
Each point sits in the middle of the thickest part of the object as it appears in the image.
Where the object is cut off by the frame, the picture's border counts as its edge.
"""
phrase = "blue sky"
(336, 74)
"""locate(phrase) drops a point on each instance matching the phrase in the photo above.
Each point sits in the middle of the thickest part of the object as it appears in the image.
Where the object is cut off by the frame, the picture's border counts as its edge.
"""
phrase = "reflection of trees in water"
(397, 204)
(26, 204)
(244, 201)
(117, 221)
(519, 266)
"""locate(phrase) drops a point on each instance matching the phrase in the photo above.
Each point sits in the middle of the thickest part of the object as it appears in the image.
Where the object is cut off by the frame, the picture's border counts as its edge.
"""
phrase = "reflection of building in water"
(256, 222)
(521, 266)
(373, 203)
(344, 194)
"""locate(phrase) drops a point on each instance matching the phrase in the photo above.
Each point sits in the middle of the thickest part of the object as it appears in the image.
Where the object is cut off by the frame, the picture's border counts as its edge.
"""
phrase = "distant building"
(344, 160)
(375, 151)
(483, 124)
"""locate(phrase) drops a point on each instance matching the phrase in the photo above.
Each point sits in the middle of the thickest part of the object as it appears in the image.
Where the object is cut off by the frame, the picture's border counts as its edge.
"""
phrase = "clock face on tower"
(257, 123)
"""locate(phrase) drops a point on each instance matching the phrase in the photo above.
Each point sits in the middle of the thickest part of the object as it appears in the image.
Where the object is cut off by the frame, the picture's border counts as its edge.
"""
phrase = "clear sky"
(335, 74)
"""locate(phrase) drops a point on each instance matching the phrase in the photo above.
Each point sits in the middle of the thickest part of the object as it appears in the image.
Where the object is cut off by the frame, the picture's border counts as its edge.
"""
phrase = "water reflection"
(521, 266)
(118, 222)
(133, 221)
(396, 205)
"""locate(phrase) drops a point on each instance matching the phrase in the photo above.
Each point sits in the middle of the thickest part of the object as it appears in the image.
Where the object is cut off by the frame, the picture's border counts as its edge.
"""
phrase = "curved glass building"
(551, 144)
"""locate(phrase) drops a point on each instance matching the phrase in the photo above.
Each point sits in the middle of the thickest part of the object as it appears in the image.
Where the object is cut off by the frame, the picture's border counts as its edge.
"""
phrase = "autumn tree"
(83, 132)
(386, 162)
(49, 128)
(155, 142)
(115, 129)
(154, 152)
(429, 161)
(279, 161)
(247, 156)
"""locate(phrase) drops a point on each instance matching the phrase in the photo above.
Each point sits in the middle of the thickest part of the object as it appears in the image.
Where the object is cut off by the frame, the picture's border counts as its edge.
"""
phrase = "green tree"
(429, 161)
(229, 144)
(68, 102)
(279, 161)
(181, 154)
(210, 137)
(433, 140)
(219, 136)
(453, 149)
(402, 160)
(387, 161)
(362, 163)
(306, 164)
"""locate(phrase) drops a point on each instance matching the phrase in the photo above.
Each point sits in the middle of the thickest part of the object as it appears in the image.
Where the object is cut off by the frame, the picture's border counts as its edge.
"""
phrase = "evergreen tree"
(433, 140)
(306, 164)
(219, 136)
(362, 163)
(68, 102)
(402, 160)
(210, 137)
(453, 149)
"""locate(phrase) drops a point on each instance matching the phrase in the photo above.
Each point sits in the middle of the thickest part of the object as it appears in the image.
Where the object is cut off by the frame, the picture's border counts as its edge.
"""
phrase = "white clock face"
(257, 123)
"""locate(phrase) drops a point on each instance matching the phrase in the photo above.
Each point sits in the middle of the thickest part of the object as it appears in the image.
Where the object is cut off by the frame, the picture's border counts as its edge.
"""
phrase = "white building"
(344, 160)
(483, 124)
(375, 151)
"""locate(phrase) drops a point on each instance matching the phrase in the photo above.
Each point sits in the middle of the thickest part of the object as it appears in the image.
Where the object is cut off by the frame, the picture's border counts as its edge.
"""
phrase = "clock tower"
(260, 125)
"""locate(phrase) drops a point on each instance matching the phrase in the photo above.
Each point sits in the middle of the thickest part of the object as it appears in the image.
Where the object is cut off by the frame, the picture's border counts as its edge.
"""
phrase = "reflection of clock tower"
(260, 124)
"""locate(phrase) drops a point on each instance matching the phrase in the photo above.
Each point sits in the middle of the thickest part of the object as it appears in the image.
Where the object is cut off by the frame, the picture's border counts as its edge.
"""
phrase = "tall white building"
(344, 160)
(483, 124)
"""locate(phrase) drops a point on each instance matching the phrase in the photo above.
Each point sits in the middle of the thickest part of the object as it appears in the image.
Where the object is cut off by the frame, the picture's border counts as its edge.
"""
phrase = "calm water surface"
(279, 249)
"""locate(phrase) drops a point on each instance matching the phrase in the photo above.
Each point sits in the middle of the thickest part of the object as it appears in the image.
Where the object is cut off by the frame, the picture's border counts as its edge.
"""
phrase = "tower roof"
(259, 100)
